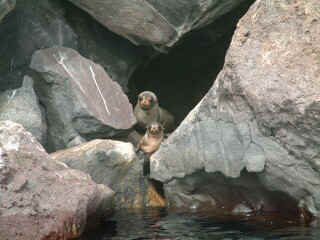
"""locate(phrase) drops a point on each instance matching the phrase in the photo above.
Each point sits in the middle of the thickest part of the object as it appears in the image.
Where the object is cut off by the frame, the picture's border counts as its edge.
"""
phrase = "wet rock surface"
(212, 192)
(114, 164)
(42, 198)
(22, 106)
(260, 115)
(157, 23)
(80, 98)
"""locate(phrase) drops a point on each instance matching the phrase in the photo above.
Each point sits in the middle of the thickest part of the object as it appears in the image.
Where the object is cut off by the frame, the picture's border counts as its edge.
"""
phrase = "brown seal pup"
(150, 143)
(147, 110)
(152, 139)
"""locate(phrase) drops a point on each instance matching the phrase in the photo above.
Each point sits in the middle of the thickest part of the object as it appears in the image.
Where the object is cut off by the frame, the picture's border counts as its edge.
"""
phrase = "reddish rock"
(42, 198)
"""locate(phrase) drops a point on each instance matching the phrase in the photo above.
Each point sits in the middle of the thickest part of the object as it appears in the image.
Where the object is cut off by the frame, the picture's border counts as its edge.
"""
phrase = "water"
(161, 225)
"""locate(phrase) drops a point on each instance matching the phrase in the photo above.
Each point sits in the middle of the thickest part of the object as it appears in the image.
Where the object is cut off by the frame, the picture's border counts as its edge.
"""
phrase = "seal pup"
(150, 143)
(152, 139)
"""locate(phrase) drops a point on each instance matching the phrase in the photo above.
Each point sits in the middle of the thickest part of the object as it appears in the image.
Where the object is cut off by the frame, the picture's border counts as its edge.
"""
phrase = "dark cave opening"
(183, 76)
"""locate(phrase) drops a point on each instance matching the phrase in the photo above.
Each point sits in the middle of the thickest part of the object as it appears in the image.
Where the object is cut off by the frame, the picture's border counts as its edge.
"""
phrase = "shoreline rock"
(114, 164)
(44, 197)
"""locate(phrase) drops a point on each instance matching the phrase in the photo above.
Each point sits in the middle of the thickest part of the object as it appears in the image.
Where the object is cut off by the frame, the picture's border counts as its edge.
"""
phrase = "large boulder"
(116, 165)
(157, 23)
(42, 198)
(22, 106)
(5, 7)
(262, 113)
(42, 24)
(81, 100)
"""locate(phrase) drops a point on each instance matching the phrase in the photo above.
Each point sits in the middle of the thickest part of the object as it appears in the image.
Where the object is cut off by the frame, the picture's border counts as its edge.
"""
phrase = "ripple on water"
(160, 225)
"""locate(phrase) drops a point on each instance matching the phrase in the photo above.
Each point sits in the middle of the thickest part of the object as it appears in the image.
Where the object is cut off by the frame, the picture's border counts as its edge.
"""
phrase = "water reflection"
(161, 225)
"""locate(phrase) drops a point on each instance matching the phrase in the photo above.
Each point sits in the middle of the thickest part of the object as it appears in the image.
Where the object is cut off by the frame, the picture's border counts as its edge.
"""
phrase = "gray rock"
(214, 193)
(116, 165)
(117, 55)
(262, 113)
(42, 24)
(77, 140)
(214, 143)
(45, 198)
(5, 7)
(33, 25)
(79, 97)
(22, 106)
(158, 23)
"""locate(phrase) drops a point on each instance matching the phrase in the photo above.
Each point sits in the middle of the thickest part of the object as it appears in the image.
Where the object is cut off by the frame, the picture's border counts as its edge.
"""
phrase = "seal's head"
(147, 100)
(155, 129)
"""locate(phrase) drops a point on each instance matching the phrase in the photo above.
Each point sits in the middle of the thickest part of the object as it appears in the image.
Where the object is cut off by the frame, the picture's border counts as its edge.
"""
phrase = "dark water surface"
(161, 225)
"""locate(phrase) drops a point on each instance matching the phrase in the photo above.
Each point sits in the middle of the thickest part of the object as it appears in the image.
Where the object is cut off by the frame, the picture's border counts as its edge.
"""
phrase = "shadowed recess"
(182, 77)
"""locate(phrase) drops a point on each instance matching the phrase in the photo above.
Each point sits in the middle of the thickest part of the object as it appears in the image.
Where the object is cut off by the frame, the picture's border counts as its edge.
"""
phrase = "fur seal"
(150, 143)
(152, 139)
(147, 111)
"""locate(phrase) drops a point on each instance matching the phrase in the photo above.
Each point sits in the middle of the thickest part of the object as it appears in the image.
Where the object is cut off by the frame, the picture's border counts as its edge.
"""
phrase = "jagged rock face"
(157, 23)
(262, 114)
(5, 7)
(42, 198)
(116, 165)
(22, 106)
(42, 24)
(79, 97)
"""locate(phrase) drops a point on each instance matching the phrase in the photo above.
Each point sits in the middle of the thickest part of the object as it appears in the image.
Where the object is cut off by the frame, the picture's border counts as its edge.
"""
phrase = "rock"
(262, 113)
(79, 97)
(213, 193)
(5, 7)
(42, 24)
(279, 84)
(33, 25)
(21, 106)
(45, 198)
(117, 55)
(157, 23)
(115, 164)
